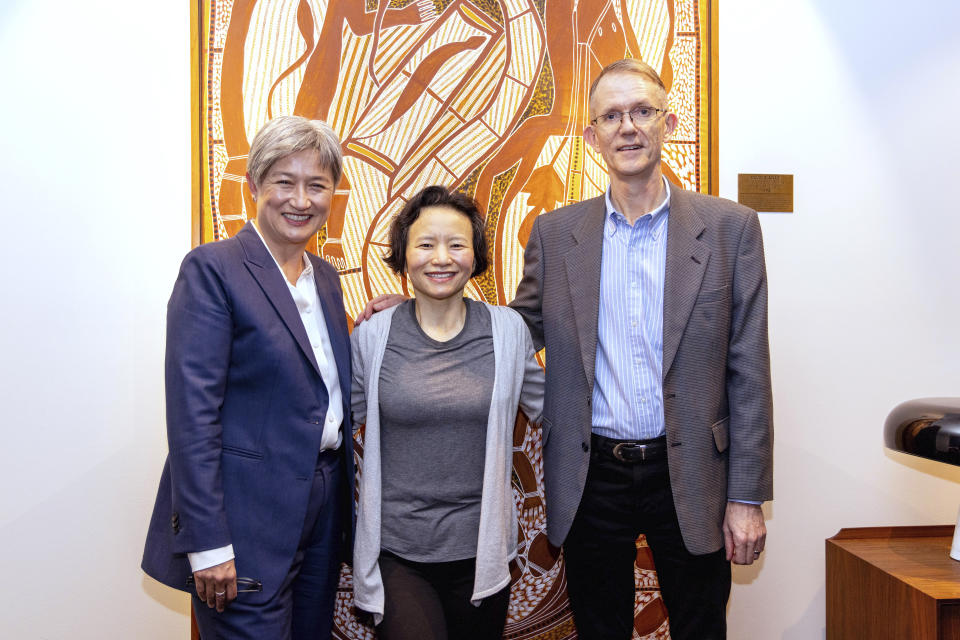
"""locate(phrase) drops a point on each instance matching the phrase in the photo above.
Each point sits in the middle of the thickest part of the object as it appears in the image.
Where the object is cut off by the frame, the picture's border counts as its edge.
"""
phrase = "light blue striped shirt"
(628, 388)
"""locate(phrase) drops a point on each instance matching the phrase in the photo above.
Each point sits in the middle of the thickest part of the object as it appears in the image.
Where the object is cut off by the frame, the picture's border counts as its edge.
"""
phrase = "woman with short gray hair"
(254, 510)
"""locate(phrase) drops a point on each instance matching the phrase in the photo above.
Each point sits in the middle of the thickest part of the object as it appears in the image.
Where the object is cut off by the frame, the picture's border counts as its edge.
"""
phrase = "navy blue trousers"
(302, 608)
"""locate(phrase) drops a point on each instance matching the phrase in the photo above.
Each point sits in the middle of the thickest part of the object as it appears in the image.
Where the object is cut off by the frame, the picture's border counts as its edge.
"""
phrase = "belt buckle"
(618, 448)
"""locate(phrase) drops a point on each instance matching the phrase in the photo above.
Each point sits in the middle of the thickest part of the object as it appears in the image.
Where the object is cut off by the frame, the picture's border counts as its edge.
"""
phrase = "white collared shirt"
(307, 299)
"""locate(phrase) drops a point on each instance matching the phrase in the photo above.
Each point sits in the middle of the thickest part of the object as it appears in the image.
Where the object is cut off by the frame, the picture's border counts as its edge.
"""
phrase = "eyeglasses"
(638, 115)
(244, 585)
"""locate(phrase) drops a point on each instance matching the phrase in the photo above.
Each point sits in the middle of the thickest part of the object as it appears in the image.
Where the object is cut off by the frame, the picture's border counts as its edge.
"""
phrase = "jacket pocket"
(242, 453)
(713, 295)
(721, 434)
(545, 427)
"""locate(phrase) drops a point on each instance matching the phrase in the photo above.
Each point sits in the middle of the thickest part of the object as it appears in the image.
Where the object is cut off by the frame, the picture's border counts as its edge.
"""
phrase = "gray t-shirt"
(434, 405)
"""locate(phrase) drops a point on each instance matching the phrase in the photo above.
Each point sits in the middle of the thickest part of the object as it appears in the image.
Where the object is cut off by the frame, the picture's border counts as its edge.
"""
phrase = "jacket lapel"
(264, 270)
(583, 273)
(331, 300)
(687, 257)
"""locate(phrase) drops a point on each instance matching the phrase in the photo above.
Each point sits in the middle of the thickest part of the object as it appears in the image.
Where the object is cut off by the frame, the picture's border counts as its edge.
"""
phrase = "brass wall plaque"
(771, 192)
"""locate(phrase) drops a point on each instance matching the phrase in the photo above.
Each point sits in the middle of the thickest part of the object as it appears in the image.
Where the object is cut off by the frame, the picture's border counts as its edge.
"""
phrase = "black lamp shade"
(925, 427)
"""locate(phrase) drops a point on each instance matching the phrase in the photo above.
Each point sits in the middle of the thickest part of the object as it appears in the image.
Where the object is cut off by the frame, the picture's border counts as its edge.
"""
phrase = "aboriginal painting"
(487, 96)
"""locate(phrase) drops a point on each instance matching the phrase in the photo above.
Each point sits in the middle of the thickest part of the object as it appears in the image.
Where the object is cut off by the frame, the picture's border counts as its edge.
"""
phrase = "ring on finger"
(220, 594)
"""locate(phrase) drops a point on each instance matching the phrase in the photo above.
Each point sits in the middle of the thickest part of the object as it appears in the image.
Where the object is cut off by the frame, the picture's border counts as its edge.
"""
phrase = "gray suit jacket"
(716, 363)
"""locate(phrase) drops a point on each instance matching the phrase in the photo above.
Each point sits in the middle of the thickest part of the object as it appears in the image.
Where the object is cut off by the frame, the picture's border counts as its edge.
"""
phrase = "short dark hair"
(436, 196)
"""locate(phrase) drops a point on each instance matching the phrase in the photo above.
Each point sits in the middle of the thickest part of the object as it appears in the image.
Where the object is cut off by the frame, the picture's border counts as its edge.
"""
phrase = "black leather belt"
(631, 451)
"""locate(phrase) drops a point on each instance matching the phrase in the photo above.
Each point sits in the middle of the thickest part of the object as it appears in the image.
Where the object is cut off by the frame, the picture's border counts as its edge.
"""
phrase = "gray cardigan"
(518, 381)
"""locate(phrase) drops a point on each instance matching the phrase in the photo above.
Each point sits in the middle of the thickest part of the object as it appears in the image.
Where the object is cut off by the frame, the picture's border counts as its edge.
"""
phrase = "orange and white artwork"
(486, 96)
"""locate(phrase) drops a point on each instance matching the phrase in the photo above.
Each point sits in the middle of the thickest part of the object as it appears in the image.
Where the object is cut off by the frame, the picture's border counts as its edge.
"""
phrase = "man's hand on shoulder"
(381, 302)
(744, 532)
(217, 585)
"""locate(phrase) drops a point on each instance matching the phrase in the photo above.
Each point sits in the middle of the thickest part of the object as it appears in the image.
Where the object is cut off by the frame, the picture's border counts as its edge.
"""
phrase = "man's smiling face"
(630, 150)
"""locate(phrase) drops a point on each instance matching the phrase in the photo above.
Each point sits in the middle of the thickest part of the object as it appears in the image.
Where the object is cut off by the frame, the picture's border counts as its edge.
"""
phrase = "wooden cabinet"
(892, 583)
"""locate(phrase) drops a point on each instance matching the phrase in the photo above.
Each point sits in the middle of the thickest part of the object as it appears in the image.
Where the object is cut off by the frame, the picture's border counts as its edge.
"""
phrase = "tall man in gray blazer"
(651, 302)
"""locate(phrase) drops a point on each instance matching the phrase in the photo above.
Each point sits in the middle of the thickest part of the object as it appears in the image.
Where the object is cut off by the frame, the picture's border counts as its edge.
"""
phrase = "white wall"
(856, 99)
(94, 168)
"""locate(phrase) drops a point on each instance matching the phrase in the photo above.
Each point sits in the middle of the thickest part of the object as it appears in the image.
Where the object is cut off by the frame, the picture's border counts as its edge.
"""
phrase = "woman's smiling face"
(293, 200)
(439, 253)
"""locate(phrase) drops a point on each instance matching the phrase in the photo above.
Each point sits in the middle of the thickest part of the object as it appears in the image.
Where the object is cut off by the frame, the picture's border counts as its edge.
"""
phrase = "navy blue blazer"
(245, 411)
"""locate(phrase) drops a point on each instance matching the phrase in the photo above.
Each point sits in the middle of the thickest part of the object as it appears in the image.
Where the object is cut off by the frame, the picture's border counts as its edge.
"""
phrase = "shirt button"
(309, 309)
(330, 419)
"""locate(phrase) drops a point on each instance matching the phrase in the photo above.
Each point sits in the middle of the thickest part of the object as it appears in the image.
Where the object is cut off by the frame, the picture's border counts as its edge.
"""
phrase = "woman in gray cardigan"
(437, 380)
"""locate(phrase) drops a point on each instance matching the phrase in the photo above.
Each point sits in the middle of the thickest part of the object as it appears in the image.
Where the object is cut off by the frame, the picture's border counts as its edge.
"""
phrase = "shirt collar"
(613, 215)
(307, 265)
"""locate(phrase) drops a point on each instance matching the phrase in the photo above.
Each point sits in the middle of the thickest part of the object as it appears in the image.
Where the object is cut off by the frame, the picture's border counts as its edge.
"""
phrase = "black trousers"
(620, 501)
(431, 601)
